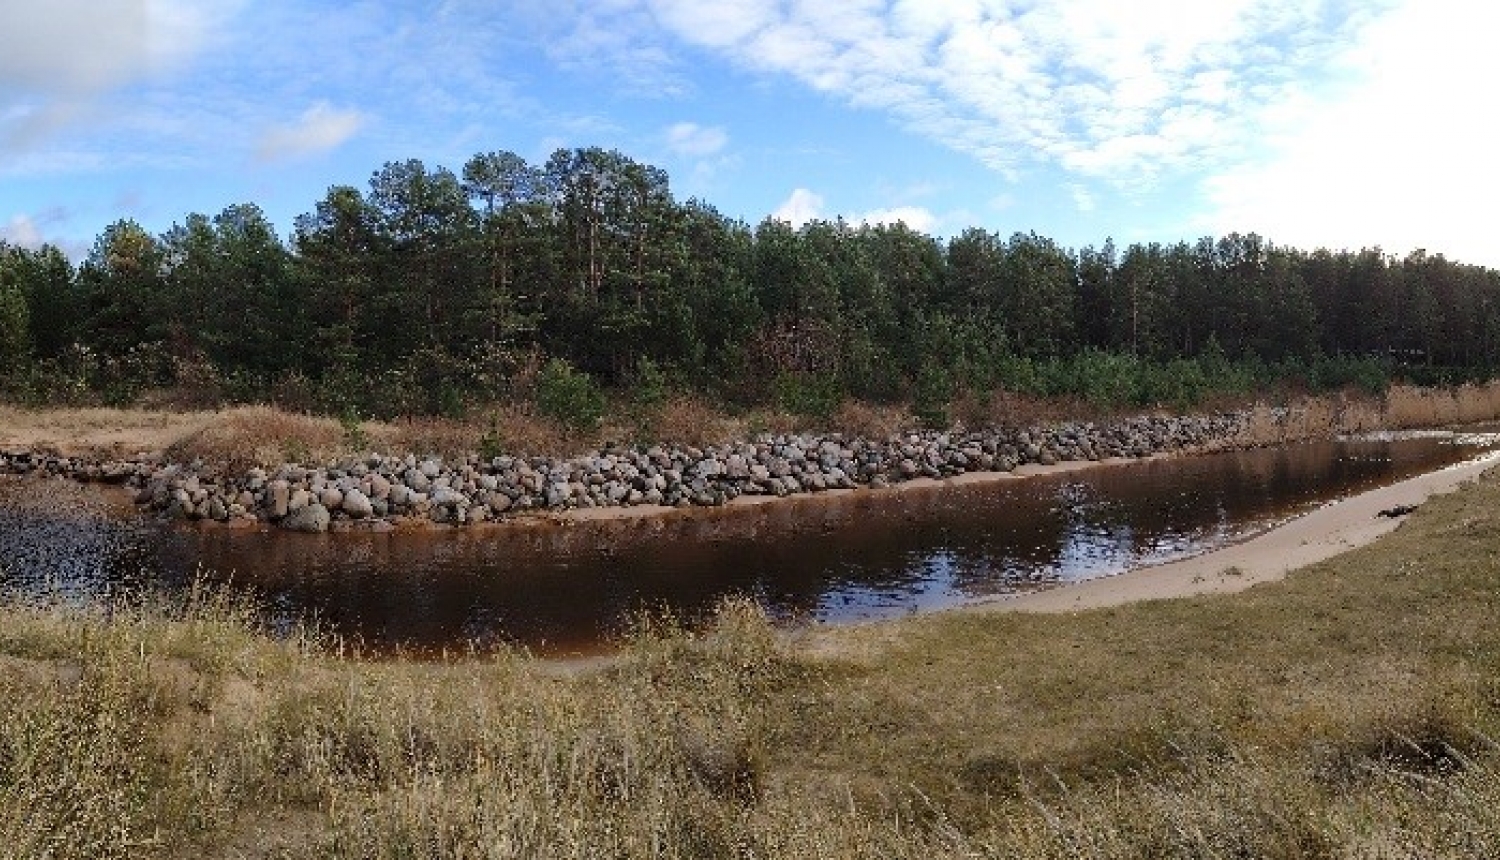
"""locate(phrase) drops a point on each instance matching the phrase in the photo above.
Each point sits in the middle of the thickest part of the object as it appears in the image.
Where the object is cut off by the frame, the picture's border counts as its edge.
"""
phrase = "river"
(561, 588)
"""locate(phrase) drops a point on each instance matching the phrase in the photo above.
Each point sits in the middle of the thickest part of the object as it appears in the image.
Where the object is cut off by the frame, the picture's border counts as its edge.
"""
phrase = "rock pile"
(381, 489)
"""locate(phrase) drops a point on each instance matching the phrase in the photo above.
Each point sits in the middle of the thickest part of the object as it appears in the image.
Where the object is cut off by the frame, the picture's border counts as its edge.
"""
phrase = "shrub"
(648, 385)
(569, 396)
(810, 395)
(492, 441)
(932, 391)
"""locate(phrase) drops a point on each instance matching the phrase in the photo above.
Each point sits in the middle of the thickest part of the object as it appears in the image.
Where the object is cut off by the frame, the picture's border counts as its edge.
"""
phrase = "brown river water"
(570, 588)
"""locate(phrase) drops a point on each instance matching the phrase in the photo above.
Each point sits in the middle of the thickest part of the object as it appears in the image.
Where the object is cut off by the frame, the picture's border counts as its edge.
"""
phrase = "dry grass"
(1010, 409)
(515, 429)
(260, 435)
(268, 436)
(684, 419)
(871, 420)
(1402, 407)
(1410, 407)
(96, 431)
(1349, 711)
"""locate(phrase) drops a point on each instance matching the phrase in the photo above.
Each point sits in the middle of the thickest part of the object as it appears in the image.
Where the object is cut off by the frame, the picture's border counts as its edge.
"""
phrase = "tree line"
(432, 290)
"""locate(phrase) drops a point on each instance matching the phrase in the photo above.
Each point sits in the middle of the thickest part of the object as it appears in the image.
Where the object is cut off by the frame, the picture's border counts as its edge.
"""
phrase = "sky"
(1315, 123)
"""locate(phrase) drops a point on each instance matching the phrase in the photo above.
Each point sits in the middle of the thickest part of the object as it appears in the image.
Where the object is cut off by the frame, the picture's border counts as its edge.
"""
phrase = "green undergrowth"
(1350, 711)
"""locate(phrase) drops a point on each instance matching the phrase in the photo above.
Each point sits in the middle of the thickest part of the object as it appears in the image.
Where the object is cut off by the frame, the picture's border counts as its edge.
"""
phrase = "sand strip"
(1308, 539)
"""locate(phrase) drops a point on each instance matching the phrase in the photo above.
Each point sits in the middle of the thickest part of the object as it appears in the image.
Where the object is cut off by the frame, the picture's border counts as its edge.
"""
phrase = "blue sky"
(1313, 122)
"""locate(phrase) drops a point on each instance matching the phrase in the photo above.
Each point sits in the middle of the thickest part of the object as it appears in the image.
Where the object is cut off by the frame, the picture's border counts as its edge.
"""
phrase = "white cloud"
(1403, 158)
(917, 218)
(21, 230)
(34, 231)
(801, 207)
(1124, 92)
(696, 141)
(319, 129)
(57, 56)
(1082, 197)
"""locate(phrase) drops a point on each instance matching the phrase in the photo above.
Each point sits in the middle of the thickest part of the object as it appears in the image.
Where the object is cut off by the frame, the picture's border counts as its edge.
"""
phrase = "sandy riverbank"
(1308, 539)
(1030, 470)
(1305, 540)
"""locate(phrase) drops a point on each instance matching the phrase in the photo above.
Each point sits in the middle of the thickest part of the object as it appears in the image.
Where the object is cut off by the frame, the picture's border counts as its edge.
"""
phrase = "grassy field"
(1352, 710)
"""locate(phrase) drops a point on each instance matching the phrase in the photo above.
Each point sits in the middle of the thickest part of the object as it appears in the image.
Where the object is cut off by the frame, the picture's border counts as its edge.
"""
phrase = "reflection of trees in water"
(856, 555)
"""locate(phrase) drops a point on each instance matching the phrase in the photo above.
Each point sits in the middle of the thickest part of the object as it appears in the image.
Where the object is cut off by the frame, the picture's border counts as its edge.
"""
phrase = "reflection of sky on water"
(561, 589)
(1104, 523)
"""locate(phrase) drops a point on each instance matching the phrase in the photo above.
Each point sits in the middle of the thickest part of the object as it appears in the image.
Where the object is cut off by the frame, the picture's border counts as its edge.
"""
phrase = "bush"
(648, 385)
(569, 396)
(1180, 383)
(492, 441)
(811, 395)
(931, 393)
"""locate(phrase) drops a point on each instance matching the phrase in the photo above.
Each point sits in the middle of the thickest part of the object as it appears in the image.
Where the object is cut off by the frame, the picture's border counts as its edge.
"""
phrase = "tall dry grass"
(1402, 407)
(1410, 407)
(242, 436)
(1349, 711)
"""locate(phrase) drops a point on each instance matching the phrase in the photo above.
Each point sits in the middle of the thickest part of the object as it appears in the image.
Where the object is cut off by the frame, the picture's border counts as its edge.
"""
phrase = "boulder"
(299, 499)
(357, 505)
(311, 518)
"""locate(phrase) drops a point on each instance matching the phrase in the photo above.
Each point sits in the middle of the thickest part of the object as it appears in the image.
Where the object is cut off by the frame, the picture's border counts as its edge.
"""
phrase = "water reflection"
(562, 588)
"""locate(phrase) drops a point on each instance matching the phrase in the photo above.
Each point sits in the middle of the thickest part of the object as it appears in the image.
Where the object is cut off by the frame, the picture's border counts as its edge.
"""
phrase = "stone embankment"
(380, 491)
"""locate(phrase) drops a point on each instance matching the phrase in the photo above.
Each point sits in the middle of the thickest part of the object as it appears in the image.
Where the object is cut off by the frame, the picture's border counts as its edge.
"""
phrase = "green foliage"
(15, 326)
(811, 395)
(424, 293)
(931, 394)
(1181, 384)
(355, 436)
(648, 384)
(569, 396)
(492, 441)
(1372, 376)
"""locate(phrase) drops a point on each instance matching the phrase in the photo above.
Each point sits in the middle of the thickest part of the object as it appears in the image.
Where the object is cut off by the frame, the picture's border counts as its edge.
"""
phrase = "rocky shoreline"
(383, 492)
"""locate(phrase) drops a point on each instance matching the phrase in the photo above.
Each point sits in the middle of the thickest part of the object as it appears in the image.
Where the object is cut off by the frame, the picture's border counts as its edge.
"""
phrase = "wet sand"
(1308, 539)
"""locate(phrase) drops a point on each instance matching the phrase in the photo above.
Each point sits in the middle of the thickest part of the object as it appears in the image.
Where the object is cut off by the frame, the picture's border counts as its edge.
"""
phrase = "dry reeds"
(247, 436)
(1410, 407)
(1402, 408)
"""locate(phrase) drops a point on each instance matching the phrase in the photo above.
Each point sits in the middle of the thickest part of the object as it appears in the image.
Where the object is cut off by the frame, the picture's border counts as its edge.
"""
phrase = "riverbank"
(393, 491)
(257, 466)
(1347, 710)
(1304, 540)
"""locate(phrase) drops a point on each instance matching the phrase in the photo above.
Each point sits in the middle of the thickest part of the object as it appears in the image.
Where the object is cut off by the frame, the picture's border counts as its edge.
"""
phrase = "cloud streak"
(1119, 92)
(320, 128)
(695, 141)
